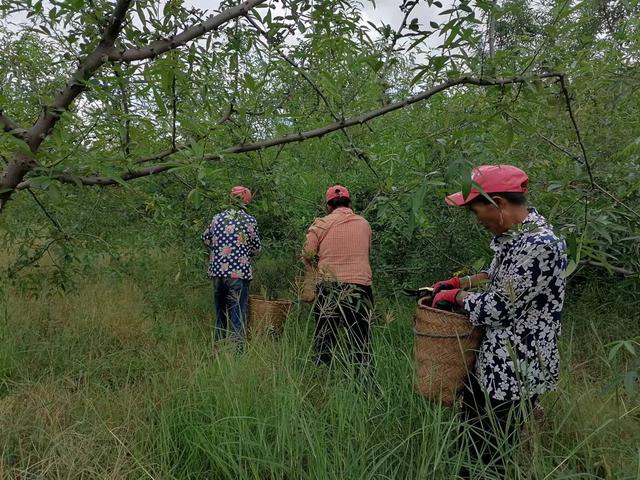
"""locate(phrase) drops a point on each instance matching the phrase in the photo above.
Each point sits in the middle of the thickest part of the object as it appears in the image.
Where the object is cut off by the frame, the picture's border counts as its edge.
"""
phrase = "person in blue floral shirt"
(519, 313)
(233, 239)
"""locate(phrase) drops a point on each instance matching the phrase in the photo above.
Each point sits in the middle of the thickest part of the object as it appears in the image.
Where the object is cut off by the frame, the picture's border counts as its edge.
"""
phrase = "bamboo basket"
(444, 352)
(267, 316)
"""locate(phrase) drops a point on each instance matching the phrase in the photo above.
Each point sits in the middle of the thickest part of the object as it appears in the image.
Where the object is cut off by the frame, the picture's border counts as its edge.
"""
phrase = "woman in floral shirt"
(233, 239)
(519, 313)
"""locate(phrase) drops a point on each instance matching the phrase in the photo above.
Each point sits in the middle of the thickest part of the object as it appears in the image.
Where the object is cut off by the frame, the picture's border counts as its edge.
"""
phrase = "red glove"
(446, 284)
(445, 299)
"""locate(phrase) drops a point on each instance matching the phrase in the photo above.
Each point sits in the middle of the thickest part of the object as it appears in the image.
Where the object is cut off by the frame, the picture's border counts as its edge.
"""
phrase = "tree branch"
(354, 150)
(293, 137)
(567, 99)
(78, 82)
(12, 127)
(361, 119)
(160, 46)
(22, 163)
(93, 180)
(159, 156)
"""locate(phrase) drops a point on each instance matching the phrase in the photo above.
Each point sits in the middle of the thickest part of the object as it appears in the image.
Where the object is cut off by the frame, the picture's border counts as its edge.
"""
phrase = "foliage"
(106, 306)
(274, 76)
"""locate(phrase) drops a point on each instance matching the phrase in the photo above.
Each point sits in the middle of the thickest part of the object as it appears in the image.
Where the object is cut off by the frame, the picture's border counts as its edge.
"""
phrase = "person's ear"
(500, 202)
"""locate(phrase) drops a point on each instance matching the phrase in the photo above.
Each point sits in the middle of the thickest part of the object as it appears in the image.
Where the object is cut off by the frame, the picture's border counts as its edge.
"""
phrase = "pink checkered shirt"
(342, 243)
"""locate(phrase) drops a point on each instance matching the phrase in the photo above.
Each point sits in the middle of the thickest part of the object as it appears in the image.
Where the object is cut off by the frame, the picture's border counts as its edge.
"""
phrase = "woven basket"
(267, 316)
(444, 352)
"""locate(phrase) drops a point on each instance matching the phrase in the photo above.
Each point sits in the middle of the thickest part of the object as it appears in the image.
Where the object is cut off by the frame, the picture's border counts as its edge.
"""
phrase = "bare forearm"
(468, 282)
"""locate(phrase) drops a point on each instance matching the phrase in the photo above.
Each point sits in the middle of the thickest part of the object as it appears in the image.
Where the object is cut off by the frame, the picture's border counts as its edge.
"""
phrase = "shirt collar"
(342, 210)
(532, 221)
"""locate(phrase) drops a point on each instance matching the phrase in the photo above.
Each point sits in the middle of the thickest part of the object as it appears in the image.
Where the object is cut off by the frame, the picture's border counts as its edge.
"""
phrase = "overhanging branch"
(160, 46)
(293, 137)
(77, 84)
(362, 119)
(93, 180)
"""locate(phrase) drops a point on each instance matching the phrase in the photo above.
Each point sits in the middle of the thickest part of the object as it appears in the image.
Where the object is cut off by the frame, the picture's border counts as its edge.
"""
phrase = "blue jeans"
(231, 299)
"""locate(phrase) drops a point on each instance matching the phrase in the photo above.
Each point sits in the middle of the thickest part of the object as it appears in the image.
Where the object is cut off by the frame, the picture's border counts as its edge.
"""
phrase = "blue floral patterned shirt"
(521, 311)
(233, 239)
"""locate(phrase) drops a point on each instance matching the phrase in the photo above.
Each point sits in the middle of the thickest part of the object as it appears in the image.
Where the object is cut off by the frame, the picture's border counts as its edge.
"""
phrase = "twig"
(357, 152)
(21, 265)
(620, 270)
(398, 33)
(615, 199)
(578, 159)
(75, 148)
(125, 109)
(567, 99)
(48, 215)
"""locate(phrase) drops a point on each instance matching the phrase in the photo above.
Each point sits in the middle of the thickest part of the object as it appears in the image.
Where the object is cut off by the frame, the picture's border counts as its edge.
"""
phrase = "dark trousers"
(231, 299)
(347, 305)
(493, 427)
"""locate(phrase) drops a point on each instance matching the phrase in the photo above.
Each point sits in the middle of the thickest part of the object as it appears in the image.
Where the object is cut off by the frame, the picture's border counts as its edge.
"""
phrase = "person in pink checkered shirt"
(338, 245)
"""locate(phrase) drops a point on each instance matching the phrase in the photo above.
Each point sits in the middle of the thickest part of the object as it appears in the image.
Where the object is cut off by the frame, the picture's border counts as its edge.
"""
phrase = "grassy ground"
(119, 379)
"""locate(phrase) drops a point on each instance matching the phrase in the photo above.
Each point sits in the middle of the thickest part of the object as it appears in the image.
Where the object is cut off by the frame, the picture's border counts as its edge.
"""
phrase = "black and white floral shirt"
(521, 311)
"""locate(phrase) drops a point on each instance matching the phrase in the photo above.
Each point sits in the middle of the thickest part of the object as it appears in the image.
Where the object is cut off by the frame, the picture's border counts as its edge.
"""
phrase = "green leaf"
(250, 82)
(630, 348)
(483, 193)
(631, 382)
(195, 197)
(464, 177)
(439, 62)
(571, 268)
(508, 137)
(614, 351)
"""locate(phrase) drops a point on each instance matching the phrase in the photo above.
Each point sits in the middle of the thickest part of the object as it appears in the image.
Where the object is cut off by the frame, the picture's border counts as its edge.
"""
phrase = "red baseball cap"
(241, 192)
(335, 192)
(492, 179)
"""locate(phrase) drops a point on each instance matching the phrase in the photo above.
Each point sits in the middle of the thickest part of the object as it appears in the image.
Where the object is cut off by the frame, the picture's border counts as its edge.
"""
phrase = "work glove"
(453, 282)
(446, 299)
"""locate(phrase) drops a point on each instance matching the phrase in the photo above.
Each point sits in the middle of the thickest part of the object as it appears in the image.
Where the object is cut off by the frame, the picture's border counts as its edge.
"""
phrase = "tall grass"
(120, 379)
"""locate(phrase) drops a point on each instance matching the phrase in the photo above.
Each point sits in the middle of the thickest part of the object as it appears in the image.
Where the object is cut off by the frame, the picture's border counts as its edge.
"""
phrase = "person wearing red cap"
(338, 245)
(233, 239)
(519, 312)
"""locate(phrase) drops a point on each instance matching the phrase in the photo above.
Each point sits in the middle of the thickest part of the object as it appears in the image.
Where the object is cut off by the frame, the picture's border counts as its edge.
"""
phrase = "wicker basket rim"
(260, 298)
(444, 312)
